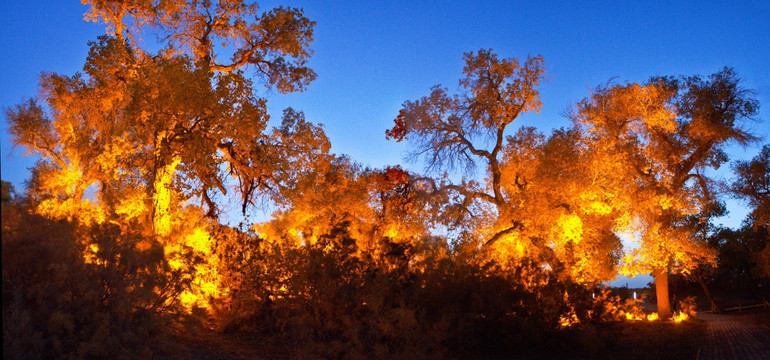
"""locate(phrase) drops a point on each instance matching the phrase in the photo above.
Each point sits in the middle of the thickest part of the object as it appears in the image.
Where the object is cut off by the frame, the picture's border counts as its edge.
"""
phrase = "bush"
(63, 298)
(328, 299)
(688, 306)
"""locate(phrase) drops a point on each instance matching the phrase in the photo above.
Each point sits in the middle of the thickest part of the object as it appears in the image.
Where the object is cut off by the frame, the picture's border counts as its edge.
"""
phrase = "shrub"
(328, 299)
(63, 298)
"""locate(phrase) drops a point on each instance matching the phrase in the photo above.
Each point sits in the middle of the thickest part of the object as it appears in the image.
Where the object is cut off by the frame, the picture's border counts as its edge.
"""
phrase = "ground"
(744, 335)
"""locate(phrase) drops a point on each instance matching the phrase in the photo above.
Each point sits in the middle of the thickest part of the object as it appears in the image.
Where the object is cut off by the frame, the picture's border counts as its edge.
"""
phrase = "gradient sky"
(371, 56)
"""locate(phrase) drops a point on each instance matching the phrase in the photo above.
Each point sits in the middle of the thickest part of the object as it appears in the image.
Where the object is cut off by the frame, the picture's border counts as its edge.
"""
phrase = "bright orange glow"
(89, 255)
(599, 208)
(132, 205)
(206, 278)
(199, 240)
(680, 316)
(638, 315)
(509, 249)
(633, 317)
(391, 232)
(162, 198)
(568, 320)
(571, 227)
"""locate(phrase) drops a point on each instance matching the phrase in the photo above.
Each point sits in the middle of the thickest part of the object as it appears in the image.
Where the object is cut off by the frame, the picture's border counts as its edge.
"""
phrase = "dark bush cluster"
(80, 292)
(332, 301)
(62, 299)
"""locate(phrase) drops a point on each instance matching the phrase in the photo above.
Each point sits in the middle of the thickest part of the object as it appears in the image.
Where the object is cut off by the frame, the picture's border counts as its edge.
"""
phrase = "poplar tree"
(665, 135)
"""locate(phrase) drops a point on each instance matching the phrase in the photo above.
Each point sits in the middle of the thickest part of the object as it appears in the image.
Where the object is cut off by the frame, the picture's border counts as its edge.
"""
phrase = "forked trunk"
(661, 292)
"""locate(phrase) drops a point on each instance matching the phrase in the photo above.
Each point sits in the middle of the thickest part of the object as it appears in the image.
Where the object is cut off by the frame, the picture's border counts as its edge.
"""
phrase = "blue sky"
(371, 56)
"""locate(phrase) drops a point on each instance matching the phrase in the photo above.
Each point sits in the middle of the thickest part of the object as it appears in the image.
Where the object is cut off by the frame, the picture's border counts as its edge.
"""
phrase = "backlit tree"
(78, 127)
(753, 185)
(148, 133)
(540, 198)
(193, 108)
(665, 135)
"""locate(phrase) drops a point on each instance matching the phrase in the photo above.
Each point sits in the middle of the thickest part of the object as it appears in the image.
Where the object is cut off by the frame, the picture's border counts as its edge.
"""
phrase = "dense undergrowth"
(327, 299)
(62, 301)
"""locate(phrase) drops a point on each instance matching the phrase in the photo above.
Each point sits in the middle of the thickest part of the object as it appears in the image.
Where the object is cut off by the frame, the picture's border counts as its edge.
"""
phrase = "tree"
(375, 206)
(206, 120)
(8, 192)
(535, 201)
(667, 133)
(567, 202)
(276, 42)
(442, 128)
(76, 126)
(740, 253)
(143, 135)
(753, 184)
(181, 109)
(193, 122)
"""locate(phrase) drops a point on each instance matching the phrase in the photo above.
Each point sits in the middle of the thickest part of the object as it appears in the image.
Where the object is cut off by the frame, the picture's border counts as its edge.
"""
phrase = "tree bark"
(161, 201)
(661, 292)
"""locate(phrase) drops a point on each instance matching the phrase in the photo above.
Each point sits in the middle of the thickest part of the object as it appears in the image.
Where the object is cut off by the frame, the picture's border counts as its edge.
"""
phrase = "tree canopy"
(666, 134)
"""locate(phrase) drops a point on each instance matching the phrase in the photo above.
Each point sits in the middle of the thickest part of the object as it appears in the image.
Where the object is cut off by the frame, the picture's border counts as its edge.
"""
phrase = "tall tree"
(193, 122)
(76, 126)
(468, 130)
(753, 185)
(159, 130)
(183, 108)
(530, 203)
(274, 43)
(667, 133)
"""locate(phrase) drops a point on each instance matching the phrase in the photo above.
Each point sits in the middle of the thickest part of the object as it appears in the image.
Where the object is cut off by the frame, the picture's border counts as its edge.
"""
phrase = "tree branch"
(515, 227)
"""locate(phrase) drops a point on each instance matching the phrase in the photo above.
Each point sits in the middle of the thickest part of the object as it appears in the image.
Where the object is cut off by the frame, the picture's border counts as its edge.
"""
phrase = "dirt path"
(734, 337)
(206, 344)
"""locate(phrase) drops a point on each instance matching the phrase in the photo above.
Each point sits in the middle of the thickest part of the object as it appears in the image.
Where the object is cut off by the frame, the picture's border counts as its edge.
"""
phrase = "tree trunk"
(661, 292)
(161, 201)
(77, 202)
(714, 307)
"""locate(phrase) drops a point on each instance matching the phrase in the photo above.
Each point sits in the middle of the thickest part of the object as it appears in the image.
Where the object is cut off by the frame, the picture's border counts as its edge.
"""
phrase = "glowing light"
(508, 248)
(568, 320)
(392, 232)
(595, 203)
(633, 317)
(206, 280)
(199, 240)
(680, 316)
(639, 316)
(599, 208)
(571, 227)
(89, 255)
(162, 197)
(133, 205)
